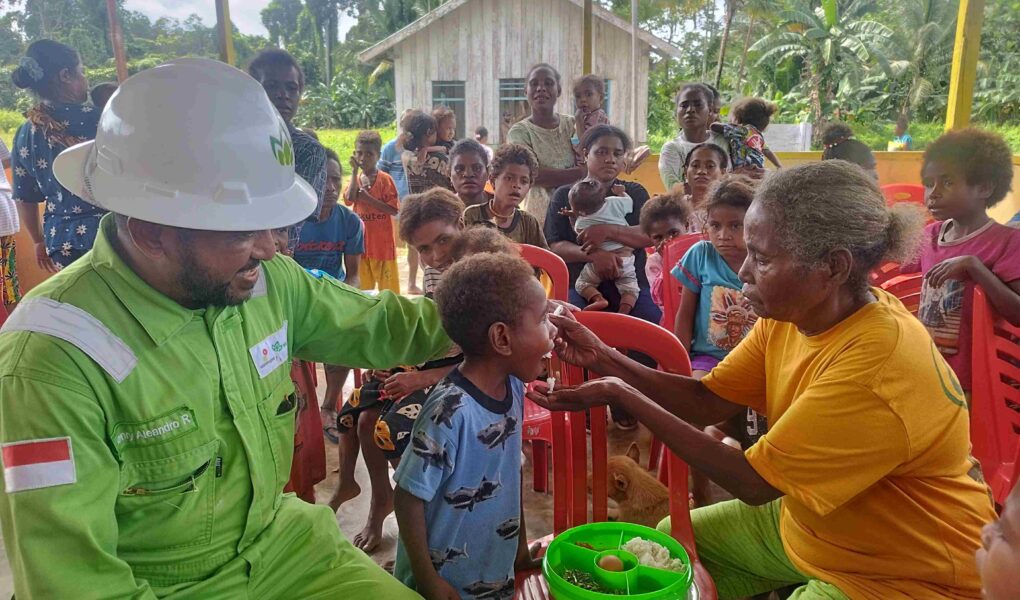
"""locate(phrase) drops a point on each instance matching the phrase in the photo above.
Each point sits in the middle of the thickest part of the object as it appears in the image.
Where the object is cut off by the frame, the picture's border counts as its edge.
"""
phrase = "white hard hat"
(193, 143)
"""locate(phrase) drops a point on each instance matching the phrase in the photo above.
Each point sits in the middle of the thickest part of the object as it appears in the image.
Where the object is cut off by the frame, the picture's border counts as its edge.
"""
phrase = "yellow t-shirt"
(869, 441)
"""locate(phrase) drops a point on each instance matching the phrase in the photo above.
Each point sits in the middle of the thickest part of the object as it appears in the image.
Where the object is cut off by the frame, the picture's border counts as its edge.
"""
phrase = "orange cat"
(640, 497)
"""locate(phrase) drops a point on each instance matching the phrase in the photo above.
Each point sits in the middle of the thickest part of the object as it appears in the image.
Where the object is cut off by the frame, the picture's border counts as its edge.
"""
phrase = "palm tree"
(731, 10)
(831, 43)
(756, 12)
(928, 27)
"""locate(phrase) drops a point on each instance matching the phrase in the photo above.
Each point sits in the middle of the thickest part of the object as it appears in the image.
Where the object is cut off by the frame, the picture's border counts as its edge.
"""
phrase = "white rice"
(653, 555)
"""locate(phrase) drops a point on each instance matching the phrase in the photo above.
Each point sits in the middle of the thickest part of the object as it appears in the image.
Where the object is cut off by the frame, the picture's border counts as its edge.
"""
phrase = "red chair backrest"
(884, 272)
(625, 333)
(672, 252)
(903, 192)
(552, 264)
(907, 288)
(995, 400)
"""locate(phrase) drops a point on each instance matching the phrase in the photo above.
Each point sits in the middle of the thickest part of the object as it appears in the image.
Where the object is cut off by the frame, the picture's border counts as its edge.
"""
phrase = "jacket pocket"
(278, 412)
(168, 503)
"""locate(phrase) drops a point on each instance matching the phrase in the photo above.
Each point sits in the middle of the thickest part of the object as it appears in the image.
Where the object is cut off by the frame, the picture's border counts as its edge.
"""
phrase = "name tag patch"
(271, 352)
(163, 428)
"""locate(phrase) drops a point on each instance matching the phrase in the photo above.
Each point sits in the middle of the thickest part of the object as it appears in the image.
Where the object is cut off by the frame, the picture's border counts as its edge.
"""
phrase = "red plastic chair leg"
(654, 452)
(540, 464)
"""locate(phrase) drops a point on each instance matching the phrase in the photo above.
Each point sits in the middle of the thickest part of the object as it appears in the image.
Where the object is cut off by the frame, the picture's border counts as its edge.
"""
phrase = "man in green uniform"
(146, 405)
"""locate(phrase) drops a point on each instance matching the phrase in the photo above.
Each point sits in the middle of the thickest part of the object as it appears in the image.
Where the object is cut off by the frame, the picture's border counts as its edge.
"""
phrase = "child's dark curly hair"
(442, 113)
(481, 239)
(754, 111)
(735, 191)
(369, 138)
(981, 156)
(836, 132)
(417, 125)
(594, 81)
(512, 154)
(435, 204)
(477, 292)
(663, 208)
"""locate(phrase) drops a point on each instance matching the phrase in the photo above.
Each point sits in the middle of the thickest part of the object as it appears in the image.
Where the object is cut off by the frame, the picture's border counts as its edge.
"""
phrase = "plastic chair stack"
(538, 422)
(995, 402)
(907, 288)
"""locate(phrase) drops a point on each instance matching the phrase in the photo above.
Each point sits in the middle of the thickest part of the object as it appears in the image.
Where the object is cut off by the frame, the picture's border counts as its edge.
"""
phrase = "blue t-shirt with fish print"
(464, 462)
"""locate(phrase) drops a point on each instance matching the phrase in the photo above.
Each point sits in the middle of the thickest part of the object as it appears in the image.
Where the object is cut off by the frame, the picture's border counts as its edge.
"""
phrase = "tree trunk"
(743, 56)
(816, 101)
(730, 13)
(331, 35)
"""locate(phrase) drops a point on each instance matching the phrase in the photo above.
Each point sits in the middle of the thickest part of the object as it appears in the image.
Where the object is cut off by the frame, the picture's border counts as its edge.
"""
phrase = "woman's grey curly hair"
(822, 207)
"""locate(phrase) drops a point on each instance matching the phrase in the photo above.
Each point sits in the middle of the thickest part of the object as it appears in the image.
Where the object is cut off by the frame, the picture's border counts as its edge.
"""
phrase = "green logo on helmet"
(282, 148)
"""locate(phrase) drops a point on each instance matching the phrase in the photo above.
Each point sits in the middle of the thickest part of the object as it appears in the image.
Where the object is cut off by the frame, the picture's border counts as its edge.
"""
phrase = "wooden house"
(473, 56)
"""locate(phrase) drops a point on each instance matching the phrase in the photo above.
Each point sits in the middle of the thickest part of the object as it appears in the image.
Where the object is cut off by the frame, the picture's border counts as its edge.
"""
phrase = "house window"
(451, 95)
(513, 105)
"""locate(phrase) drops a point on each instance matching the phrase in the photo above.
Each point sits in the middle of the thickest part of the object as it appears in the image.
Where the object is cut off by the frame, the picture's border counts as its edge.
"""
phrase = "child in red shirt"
(964, 173)
(373, 195)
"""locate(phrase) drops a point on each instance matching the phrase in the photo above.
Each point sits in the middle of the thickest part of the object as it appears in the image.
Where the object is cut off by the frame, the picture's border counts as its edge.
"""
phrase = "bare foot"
(344, 492)
(597, 303)
(368, 538)
(414, 290)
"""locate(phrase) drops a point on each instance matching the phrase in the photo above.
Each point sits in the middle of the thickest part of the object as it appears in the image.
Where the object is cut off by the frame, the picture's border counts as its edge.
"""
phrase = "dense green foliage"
(863, 61)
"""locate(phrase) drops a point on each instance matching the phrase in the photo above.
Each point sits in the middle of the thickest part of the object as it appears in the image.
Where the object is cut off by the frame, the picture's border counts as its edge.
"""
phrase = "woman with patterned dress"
(53, 72)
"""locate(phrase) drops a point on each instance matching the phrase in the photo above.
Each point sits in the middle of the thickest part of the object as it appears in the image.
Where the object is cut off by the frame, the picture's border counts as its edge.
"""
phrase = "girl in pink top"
(964, 173)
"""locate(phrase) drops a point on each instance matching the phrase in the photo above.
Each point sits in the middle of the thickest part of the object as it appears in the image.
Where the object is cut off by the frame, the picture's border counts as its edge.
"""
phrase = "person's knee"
(366, 424)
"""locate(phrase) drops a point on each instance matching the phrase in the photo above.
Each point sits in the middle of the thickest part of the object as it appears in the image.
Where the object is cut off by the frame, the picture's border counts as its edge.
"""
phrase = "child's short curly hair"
(417, 125)
(663, 208)
(733, 190)
(835, 133)
(435, 204)
(442, 113)
(512, 154)
(754, 111)
(477, 292)
(594, 81)
(369, 138)
(481, 239)
(982, 157)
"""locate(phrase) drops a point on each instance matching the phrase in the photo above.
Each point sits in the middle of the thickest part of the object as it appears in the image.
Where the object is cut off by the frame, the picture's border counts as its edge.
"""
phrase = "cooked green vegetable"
(585, 581)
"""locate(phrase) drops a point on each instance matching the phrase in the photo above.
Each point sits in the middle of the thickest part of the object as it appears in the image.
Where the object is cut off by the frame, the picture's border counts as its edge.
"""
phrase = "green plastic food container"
(578, 551)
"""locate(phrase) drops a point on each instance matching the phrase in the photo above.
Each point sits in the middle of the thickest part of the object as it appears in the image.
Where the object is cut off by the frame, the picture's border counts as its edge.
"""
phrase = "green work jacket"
(146, 445)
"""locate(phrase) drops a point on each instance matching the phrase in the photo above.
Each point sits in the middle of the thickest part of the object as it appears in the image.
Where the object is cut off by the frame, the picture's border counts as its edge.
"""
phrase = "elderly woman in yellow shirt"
(863, 486)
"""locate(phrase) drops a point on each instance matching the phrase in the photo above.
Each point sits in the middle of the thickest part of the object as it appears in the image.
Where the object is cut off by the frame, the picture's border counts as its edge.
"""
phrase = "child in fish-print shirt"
(458, 499)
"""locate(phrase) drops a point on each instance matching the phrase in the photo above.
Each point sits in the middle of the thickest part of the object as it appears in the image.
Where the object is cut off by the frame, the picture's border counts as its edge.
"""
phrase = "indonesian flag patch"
(35, 464)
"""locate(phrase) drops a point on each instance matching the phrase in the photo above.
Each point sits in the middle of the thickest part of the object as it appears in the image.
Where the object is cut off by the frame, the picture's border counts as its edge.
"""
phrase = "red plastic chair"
(995, 401)
(538, 427)
(884, 272)
(671, 255)
(908, 289)
(903, 192)
(570, 467)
